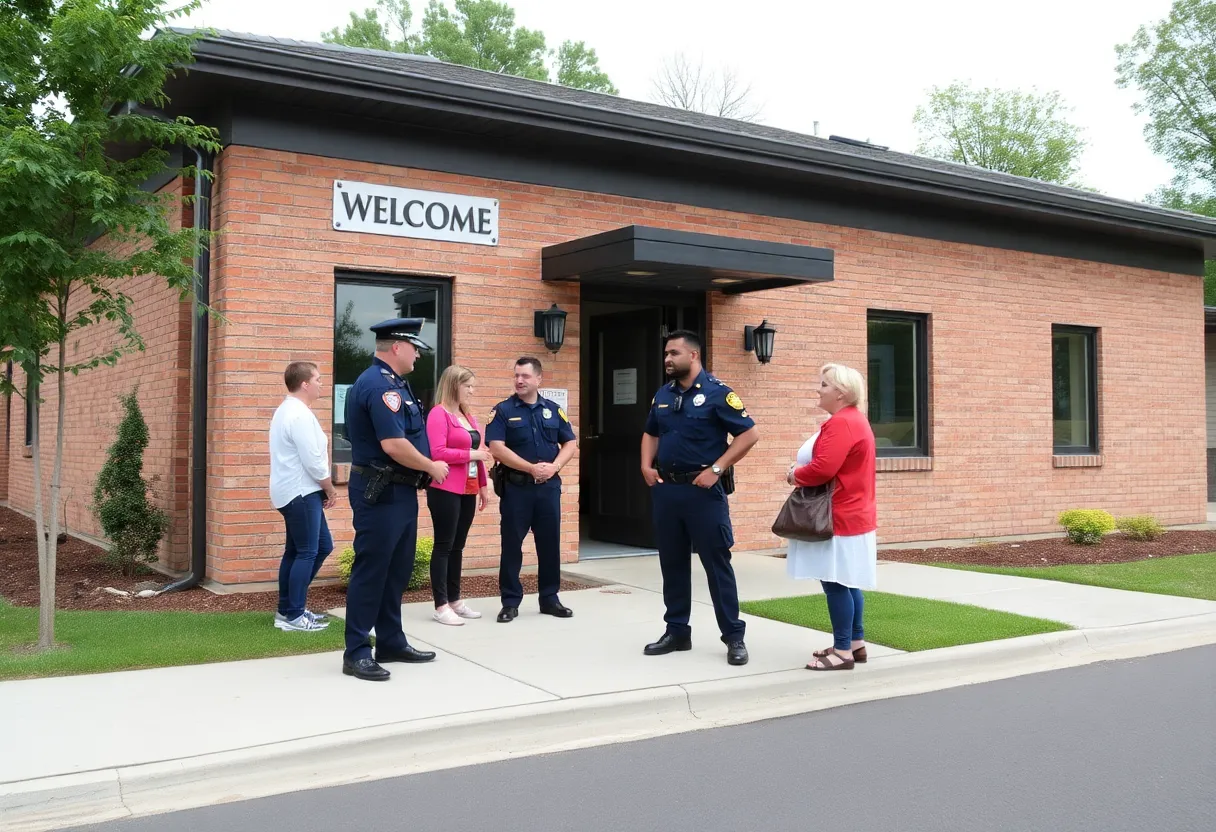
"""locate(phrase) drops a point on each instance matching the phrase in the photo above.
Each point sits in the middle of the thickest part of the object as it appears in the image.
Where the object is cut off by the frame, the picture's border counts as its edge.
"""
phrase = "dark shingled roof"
(403, 68)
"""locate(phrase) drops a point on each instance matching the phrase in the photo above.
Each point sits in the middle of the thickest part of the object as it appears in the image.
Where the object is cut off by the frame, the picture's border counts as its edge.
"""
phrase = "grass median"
(98, 642)
(1190, 576)
(907, 623)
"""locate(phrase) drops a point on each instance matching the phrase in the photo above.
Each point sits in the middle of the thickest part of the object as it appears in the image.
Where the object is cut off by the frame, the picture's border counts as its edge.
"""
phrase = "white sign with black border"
(404, 212)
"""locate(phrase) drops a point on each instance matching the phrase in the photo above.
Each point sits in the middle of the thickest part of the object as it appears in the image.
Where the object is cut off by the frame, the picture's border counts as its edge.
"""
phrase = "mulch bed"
(1115, 548)
(81, 577)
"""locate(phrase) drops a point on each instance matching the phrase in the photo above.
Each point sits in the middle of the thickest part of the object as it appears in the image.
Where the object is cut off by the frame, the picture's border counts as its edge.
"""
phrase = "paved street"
(1117, 746)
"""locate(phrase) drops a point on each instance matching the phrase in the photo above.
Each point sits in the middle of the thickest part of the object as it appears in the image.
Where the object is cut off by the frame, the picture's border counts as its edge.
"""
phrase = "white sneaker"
(444, 615)
(464, 612)
(303, 624)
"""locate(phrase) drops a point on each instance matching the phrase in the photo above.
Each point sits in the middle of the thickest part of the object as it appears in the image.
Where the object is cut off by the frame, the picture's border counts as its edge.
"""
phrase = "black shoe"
(365, 669)
(668, 644)
(507, 614)
(556, 610)
(736, 652)
(407, 654)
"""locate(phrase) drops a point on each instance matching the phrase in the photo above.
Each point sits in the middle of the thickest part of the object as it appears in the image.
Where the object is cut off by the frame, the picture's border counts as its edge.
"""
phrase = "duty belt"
(679, 477)
(399, 476)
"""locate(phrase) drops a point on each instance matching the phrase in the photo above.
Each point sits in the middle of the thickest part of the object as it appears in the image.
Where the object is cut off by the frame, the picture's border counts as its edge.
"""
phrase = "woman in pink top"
(456, 439)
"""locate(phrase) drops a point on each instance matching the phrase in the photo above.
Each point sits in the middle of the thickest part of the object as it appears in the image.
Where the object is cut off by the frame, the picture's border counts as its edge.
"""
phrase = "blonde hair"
(449, 387)
(849, 382)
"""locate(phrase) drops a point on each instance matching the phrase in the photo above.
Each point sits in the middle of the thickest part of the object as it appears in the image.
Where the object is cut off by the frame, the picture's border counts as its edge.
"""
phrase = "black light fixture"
(550, 325)
(760, 339)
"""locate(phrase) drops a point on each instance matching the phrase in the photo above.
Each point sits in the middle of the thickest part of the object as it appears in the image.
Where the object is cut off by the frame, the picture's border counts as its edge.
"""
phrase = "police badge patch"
(698, 399)
(734, 401)
(392, 400)
(547, 413)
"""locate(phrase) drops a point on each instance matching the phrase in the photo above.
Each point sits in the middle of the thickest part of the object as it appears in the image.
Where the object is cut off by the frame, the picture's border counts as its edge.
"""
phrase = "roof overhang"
(640, 257)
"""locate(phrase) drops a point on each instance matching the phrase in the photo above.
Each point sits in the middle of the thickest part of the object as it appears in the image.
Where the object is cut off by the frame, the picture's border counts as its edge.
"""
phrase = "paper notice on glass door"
(625, 386)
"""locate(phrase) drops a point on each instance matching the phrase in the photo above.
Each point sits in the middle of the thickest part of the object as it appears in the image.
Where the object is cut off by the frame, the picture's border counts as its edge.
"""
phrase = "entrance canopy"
(655, 258)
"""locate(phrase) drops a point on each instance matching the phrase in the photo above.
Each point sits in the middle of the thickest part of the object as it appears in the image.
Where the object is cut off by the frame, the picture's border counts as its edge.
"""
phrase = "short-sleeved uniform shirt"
(381, 405)
(692, 424)
(535, 432)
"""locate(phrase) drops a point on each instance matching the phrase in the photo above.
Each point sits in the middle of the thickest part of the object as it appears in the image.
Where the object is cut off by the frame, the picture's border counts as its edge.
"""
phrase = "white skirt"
(849, 560)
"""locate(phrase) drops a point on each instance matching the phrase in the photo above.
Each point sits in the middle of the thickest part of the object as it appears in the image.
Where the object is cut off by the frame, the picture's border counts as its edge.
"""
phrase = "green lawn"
(908, 623)
(96, 642)
(1193, 576)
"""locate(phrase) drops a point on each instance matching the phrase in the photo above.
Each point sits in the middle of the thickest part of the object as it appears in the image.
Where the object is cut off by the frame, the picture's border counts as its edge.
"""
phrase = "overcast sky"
(858, 69)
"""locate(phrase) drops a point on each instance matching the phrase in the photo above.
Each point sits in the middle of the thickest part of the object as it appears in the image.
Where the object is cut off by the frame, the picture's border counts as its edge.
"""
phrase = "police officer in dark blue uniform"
(390, 463)
(532, 437)
(684, 453)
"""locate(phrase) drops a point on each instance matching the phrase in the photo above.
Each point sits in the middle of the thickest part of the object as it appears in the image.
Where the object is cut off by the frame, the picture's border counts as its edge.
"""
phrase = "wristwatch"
(717, 469)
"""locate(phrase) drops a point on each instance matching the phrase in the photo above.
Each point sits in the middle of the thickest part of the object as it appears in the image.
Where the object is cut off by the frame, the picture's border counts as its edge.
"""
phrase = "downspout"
(204, 163)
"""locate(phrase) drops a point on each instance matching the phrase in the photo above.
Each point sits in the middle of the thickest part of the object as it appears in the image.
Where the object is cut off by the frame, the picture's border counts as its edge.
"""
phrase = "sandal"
(859, 654)
(845, 664)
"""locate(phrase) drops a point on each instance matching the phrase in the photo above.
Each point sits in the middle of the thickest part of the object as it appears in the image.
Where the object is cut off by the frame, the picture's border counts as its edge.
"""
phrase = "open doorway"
(622, 367)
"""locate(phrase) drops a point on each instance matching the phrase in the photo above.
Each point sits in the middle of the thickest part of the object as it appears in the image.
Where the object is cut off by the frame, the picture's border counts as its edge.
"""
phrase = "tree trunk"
(46, 614)
(46, 568)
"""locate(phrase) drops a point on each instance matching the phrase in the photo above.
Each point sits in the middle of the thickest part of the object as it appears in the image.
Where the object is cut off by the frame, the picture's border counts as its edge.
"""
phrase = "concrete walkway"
(499, 690)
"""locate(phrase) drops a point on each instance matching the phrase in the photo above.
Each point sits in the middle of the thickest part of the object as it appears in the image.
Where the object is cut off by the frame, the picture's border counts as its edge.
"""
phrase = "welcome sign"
(403, 212)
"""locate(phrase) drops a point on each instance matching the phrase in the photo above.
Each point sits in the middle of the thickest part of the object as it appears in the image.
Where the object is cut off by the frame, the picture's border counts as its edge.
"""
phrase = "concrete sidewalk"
(88, 750)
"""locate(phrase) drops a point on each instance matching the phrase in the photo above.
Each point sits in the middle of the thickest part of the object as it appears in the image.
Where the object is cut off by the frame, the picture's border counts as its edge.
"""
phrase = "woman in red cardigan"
(456, 439)
(847, 562)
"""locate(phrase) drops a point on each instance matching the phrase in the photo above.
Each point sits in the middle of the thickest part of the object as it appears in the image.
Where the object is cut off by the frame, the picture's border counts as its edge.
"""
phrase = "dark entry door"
(627, 363)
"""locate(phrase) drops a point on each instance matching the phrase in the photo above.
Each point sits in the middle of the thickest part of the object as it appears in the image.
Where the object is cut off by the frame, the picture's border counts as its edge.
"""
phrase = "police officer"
(390, 463)
(684, 452)
(533, 438)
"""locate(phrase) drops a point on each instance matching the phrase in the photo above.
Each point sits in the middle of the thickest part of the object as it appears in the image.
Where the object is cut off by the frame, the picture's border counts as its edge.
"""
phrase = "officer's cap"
(402, 329)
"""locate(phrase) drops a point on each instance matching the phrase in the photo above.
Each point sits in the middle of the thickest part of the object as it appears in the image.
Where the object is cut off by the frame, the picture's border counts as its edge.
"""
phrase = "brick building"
(1014, 334)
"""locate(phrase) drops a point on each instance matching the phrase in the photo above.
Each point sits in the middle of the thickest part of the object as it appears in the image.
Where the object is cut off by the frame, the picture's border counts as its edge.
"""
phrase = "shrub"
(1086, 525)
(422, 563)
(1143, 527)
(133, 525)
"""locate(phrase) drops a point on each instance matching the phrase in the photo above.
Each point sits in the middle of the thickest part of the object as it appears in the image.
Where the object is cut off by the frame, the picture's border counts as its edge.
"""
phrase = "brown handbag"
(807, 514)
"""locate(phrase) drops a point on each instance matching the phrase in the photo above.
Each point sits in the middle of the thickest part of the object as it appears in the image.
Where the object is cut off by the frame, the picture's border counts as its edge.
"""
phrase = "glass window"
(361, 302)
(1074, 390)
(897, 377)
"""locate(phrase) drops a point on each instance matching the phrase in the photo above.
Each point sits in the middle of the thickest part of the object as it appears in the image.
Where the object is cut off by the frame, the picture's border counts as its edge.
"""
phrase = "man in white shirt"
(301, 489)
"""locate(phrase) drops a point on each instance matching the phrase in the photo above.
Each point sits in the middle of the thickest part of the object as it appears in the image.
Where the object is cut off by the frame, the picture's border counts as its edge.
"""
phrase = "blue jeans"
(308, 544)
(845, 605)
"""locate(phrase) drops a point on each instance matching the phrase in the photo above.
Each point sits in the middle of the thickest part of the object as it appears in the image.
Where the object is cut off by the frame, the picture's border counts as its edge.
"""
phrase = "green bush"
(1086, 525)
(422, 563)
(133, 525)
(1142, 527)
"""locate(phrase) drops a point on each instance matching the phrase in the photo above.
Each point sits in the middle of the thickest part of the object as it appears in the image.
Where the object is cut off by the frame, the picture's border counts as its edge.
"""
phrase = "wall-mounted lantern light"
(550, 324)
(760, 339)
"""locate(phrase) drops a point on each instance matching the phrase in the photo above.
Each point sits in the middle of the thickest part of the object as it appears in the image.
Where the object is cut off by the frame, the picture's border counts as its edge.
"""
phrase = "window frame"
(443, 315)
(31, 396)
(921, 334)
(1091, 341)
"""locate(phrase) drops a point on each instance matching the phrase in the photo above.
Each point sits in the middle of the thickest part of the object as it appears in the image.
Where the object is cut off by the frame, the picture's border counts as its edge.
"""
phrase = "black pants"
(451, 517)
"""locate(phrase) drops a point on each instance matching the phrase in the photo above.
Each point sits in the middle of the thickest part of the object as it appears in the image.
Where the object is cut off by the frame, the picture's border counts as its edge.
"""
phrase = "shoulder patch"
(562, 413)
(732, 399)
(392, 400)
(493, 412)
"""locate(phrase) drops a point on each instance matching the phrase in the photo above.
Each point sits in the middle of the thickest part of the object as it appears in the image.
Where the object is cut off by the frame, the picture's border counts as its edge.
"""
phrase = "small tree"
(699, 89)
(76, 223)
(120, 499)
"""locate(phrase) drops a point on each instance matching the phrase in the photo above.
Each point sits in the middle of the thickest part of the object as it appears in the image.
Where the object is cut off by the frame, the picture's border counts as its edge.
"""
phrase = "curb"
(380, 752)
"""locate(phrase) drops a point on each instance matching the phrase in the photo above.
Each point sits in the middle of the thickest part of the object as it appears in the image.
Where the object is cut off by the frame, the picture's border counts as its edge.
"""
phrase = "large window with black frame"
(1074, 389)
(361, 301)
(897, 375)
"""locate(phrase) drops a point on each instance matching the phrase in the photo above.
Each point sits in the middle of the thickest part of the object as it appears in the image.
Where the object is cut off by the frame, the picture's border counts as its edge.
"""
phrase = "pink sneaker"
(460, 609)
(444, 615)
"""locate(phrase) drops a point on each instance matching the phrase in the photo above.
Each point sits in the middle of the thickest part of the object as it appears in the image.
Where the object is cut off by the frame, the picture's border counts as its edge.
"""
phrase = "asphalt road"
(1119, 746)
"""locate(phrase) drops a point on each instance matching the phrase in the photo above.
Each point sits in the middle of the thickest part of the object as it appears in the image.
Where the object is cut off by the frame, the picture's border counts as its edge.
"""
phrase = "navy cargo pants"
(688, 518)
(386, 537)
(539, 508)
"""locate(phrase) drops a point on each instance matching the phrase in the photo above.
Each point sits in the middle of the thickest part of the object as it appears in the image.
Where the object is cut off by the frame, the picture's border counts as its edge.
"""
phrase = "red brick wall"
(991, 315)
(93, 411)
